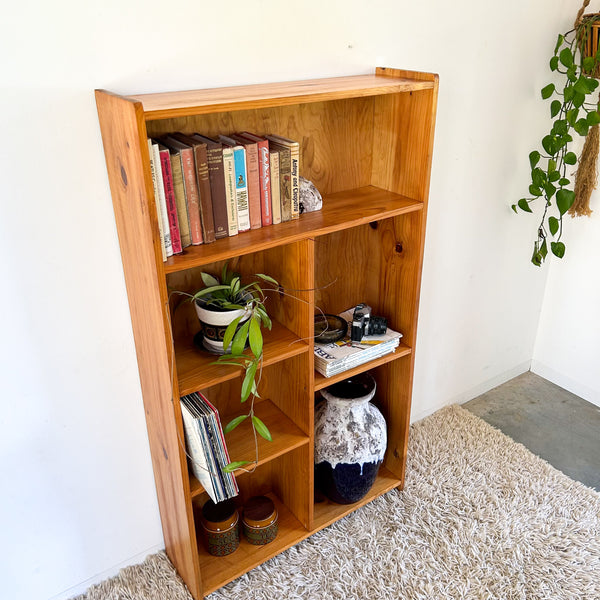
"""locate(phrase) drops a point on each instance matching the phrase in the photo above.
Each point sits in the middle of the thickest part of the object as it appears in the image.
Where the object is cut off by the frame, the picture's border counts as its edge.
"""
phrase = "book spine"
(264, 180)
(206, 209)
(295, 183)
(217, 190)
(182, 211)
(162, 205)
(191, 195)
(165, 163)
(241, 189)
(161, 232)
(285, 183)
(275, 187)
(230, 192)
(253, 186)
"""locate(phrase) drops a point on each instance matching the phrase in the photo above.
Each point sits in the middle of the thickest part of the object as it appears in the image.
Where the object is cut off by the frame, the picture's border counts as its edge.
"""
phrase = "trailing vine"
(574, 108)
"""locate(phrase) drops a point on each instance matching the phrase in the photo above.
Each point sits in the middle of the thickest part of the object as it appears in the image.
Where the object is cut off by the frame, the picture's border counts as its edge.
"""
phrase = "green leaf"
(554, 63)
(514, 207)
(572, 73)
(264, 317)
(593, 118)
(588, 63)
(553, 224)
(536, 258)
(230, 331)
(234, 423)
(564, 200)
(564, 181)
(570, 158)
(210, 290)
(535, 191)
(543, 250)
(232, 466)
(558, 249)
(255, 337)
(592, 84)
(581, 86)
(248, 385)
(538, 177)
(554, 176)
(261, 428)
(581, 127)
(548, 90)
(267, 278)
(549, 144)
(208, 280)
(534, 158)
(555, 107)
(578, 99)
(568, 92)
(239, 339)
(550, 190)
(572, 116)
(561, 127)
(566, 57)
(559, 42)
(523, 205)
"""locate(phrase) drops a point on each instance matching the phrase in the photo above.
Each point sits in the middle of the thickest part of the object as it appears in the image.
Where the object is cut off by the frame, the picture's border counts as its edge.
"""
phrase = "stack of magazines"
(337, 357)
(206, 449)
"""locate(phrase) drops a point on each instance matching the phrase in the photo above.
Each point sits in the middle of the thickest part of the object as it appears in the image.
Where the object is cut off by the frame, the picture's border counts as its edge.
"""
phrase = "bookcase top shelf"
(194, 102)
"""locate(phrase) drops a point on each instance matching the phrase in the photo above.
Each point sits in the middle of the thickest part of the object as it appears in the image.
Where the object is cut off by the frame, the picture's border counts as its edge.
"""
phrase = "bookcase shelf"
(366, 144)
(340, 211)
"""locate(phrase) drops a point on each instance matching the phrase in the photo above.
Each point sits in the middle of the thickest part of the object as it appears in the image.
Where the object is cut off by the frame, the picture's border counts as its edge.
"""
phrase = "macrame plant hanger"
(586, 178)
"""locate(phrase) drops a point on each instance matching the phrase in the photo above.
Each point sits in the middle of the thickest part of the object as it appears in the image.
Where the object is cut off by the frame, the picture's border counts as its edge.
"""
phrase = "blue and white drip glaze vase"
(350, 440)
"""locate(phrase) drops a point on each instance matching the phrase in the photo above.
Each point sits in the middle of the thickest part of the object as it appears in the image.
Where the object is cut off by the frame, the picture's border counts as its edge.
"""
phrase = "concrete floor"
(558, 426)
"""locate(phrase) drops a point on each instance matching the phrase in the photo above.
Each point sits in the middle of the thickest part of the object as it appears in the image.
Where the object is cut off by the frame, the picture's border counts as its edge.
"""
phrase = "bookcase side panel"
(404, 126)
(124, 137)
(336, 137)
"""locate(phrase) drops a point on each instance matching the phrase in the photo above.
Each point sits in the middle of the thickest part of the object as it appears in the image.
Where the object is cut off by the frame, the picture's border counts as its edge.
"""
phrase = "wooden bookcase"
(366, 143)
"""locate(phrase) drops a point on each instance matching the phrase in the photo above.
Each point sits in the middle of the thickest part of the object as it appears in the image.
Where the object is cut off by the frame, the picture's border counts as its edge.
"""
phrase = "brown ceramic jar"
(260, 520)
(220, 525)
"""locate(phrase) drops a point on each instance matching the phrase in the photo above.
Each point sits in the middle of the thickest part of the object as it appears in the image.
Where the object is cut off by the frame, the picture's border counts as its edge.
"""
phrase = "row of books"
(206, 448)
(337, 357)
(206, 188)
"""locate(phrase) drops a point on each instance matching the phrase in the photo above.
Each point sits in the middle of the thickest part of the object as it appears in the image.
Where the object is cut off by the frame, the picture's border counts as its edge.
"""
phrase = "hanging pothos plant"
(573, 108)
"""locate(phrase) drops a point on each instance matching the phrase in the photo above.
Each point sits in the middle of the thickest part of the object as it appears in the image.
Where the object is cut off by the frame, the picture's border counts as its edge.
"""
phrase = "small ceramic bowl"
(220, 526)
(260, 520)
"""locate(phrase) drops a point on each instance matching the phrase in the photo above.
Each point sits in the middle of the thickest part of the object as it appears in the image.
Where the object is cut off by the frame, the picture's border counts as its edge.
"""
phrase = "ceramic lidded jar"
(350, 439)
(220, 525)
(260, 520)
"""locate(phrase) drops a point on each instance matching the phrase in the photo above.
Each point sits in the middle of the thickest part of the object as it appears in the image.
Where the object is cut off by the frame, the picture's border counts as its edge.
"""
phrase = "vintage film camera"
(365, 324)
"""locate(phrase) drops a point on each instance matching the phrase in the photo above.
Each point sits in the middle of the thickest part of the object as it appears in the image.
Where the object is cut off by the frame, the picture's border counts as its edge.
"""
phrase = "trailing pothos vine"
(572, 108)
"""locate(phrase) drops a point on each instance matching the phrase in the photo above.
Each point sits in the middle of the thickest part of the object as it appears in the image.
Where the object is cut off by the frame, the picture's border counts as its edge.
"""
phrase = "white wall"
(78, 497)
(567, 349)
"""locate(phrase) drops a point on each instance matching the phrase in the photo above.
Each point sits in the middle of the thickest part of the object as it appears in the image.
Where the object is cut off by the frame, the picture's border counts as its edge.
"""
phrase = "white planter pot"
(214, 323)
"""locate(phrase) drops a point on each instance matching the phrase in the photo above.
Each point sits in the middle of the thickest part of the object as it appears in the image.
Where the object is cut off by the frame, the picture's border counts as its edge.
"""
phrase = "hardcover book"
(190, 185)
(264, 175)
(295, 170)
(154, 169)
(230, 193)
(165, 164)
(182, 213)
(202, 177)
(214, 151)
(285, 178)
(275, 186)
(253, 180)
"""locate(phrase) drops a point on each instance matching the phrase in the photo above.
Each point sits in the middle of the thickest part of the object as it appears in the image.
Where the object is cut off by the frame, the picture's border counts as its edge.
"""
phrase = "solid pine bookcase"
(366, 143)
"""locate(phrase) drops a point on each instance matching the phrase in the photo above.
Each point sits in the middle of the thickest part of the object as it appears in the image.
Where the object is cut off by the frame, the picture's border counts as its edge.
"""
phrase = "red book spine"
(253, 186)
(192, 197)
(165, 163)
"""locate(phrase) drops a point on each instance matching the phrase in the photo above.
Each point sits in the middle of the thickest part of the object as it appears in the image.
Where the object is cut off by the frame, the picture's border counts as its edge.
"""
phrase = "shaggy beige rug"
(480, 518)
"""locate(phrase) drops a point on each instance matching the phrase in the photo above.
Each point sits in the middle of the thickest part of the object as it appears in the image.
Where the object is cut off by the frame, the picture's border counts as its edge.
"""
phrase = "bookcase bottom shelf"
(219, 570)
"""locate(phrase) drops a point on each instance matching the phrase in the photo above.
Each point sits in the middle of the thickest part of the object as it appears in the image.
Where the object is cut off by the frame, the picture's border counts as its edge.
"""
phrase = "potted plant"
(232, 315)
(573, 108)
